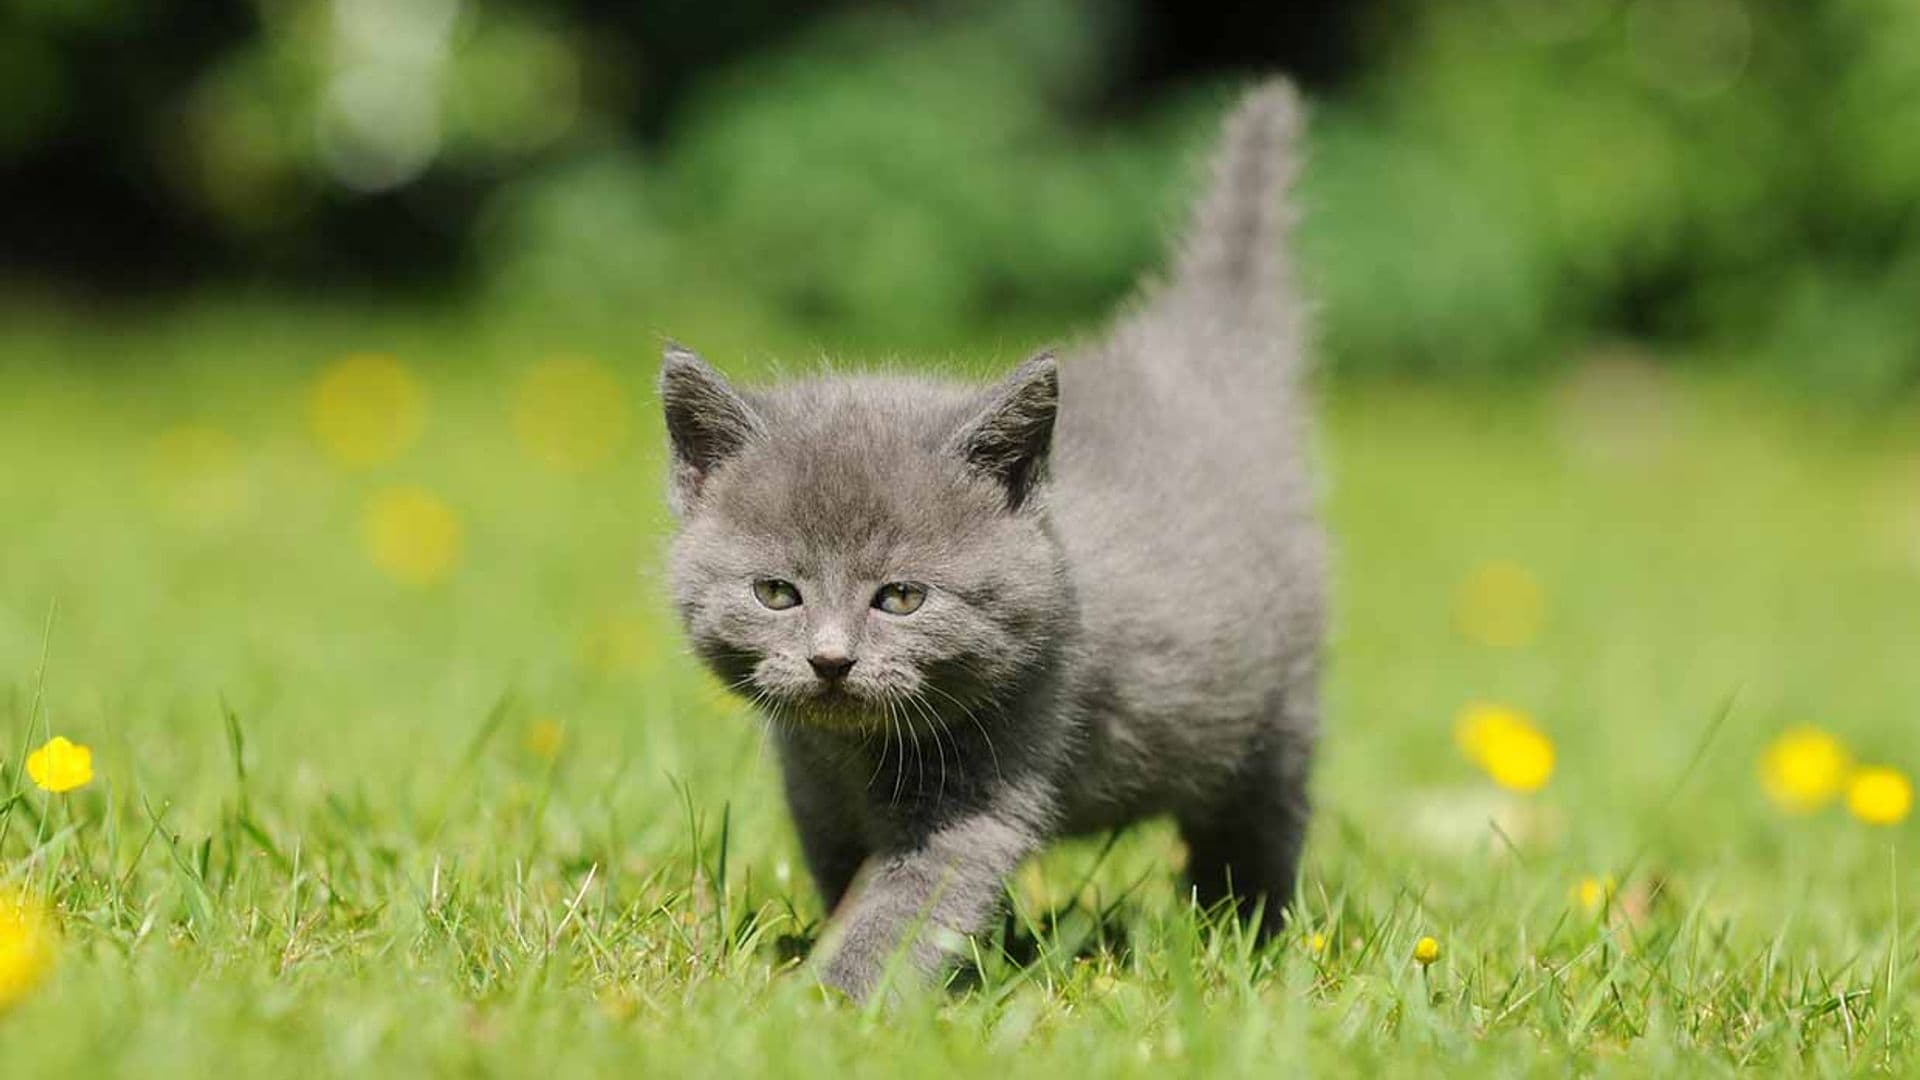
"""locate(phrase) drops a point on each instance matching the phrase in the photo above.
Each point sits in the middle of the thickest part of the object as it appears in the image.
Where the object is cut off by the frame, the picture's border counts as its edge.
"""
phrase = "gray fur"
(1123, 574)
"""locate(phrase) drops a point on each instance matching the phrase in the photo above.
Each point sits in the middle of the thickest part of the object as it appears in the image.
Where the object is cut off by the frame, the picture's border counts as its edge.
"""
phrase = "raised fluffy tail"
(1232, 266)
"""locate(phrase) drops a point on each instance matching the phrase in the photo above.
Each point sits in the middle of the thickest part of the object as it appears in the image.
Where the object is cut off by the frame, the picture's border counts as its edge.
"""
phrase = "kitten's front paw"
(852, 976)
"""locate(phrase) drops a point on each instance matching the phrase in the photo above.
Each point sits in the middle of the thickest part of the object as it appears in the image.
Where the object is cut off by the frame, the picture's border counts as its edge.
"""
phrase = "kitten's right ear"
(707, 422)
(1011, 437)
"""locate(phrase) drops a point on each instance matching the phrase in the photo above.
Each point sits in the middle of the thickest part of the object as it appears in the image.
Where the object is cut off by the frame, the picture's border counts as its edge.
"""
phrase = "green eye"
(776, 594)
(900, 598)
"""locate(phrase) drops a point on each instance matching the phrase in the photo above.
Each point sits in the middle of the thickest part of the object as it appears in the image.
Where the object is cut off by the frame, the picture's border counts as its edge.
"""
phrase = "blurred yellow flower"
(1592, 893)
(366, 409)
(618, 1006)
(1426, 951)
(61, 765)
(1317, 943)
(1803, 769)
(1878, 795)
(412, 535)
(544, 738)
(198, 475)
(1505, 743)
(1500, 604)
(616, 642)
(26, 946)
(570, 414)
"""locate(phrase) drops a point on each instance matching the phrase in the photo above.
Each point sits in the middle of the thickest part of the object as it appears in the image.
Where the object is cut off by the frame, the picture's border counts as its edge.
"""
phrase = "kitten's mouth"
(834, 707)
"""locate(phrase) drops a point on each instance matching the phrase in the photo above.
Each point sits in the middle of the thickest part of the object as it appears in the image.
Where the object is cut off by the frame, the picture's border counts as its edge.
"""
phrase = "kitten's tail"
(1232, 268)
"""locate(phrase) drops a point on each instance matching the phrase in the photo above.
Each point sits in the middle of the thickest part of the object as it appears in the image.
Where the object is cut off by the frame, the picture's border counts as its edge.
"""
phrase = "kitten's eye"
(776, 594)
(900, 598)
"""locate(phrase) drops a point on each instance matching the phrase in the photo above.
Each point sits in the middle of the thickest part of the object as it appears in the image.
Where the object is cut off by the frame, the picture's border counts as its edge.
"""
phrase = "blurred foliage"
(1516, 178)
(1733, 177)
(880, 178)
(1502, 182)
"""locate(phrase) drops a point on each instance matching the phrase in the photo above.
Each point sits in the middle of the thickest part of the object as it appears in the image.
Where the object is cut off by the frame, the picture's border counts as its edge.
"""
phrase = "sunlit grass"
(339, 823)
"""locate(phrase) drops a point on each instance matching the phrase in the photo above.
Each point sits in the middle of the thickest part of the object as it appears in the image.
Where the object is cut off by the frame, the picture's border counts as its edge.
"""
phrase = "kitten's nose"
(831, 666)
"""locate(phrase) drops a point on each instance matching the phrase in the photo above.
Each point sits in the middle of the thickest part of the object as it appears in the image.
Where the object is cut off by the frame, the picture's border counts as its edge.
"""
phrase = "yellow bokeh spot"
(412, 535)
(1500, 604)
(1426, 951)
(615, 643)
(618, 1006)
(1593, 893)
(1505, 743)
(1803, 769)
(199, 476)
(61, 765)
(1878, 795)
(1317, 943)
(367, 409)
(26, 946)
(570, 414)
(545, 737)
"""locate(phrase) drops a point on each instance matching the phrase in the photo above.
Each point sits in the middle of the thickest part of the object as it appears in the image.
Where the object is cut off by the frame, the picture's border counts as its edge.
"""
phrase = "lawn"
(401, 767)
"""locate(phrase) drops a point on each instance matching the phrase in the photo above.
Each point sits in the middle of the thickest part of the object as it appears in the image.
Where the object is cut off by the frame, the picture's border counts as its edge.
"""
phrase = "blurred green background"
(1495, 183)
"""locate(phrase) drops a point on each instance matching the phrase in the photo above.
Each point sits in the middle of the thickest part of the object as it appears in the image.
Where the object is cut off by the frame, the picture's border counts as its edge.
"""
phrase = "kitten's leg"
(1246, 843)
(826, 817)
(919, 901)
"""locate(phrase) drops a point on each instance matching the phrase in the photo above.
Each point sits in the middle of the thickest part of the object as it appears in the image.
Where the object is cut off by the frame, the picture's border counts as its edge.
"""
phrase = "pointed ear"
(707, 422)
(1011, 436)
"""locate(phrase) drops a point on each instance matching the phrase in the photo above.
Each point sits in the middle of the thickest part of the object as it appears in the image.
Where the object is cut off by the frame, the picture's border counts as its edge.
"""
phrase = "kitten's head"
(854, 552)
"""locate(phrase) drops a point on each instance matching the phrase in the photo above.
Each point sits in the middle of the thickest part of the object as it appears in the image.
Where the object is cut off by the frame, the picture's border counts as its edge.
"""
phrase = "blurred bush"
(1502, 182)
(1735, 178)
(1514, 179)
(880, 178)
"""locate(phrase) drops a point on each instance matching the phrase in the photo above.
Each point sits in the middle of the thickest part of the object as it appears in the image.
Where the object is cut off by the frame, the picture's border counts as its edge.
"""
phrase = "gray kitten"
(980, 618)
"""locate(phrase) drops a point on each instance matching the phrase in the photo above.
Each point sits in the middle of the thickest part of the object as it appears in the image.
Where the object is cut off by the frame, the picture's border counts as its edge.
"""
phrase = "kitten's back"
(1182, 492)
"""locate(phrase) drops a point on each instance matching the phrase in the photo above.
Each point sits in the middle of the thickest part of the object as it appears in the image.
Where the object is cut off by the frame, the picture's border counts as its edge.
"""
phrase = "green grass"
(371, 870)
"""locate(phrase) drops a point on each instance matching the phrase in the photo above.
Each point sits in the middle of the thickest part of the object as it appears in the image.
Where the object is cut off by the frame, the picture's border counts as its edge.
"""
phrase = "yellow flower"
(618, 1006)
(366, 409)
(61, 765)
(1500, 604)
(412, 535)
(1317, 943)
(1504, 742)
(1803, 769)
(616, 642)
(545, 737)
(1878, 795)
(570, 414)
(1592, 893)
(26, 946)
(1426, 951)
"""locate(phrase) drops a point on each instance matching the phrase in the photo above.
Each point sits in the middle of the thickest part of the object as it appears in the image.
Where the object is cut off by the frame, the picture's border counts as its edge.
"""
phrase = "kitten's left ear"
(707, 422)
(1011, 436)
